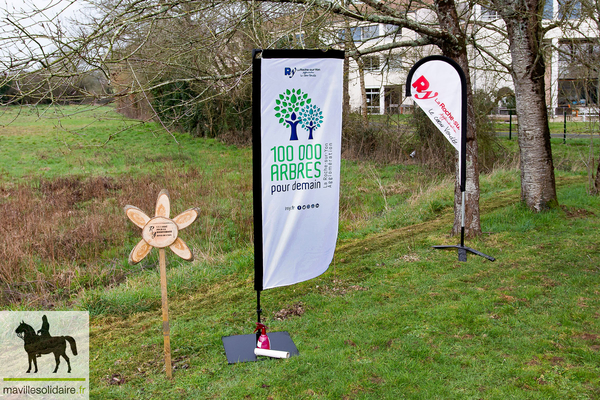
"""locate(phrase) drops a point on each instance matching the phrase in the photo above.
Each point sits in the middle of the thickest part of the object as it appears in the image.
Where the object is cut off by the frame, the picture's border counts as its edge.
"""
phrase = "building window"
(373, 100)
(548, 12)
(393, 62)
(389, 29)
(575, 57)
(574, 93)
(393, 99)
(362, 33)
(371, 63)
(577, 73)
(570, 9)
(370, 32)
(488, 14)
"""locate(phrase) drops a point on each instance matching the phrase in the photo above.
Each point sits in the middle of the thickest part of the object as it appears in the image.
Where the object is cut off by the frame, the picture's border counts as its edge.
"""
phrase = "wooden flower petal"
(140, 251)
(163, 204)
(182, 250)
(136, 216)
(184, 219)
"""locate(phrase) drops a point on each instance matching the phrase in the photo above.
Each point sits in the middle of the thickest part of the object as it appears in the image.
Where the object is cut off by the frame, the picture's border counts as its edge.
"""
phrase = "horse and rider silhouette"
(41, 342)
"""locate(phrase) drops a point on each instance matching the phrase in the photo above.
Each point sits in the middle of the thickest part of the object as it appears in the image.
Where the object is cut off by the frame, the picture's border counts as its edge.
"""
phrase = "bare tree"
(154, 48)
(436, 24)
(525, 34)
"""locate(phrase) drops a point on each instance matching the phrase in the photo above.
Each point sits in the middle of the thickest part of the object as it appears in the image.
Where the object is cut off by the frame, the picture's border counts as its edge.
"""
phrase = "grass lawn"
(556, 127)
(392, 318)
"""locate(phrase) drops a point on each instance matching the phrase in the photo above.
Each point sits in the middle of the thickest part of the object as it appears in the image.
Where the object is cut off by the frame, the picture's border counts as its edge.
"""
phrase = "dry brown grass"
(49, 235)
(376, 141)
(62, 235)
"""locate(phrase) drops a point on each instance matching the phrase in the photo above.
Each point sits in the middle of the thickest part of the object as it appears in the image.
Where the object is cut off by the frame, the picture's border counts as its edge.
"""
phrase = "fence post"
(564, 126)
(509, 124)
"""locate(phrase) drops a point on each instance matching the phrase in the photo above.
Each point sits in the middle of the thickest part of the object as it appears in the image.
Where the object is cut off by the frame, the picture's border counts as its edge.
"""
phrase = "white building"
(570, 86)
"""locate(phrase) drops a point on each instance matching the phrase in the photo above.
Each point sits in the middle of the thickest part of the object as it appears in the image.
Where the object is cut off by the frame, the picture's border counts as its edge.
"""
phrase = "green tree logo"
(287, 106)
(311, 118)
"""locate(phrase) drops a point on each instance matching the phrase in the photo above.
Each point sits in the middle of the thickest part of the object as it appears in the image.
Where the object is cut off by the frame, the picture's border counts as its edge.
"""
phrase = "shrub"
(5, 89)
(205, 112)
(381, 141)
(433, 149)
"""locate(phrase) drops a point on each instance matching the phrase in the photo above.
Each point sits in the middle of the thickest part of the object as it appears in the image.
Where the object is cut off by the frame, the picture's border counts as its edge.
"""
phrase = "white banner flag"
(301, 126)
(436, 88)
(437, 85)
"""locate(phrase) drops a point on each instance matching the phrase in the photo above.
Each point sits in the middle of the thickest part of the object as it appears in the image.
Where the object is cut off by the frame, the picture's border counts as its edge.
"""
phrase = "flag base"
(240, 348)
(462, 252)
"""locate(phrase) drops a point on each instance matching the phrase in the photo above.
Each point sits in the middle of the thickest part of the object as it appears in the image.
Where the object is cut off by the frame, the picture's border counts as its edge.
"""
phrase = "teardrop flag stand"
(438, 85)
(161, 232)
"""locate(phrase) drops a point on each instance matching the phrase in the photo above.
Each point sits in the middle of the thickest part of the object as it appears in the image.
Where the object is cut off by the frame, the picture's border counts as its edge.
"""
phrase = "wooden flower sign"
(162, 232)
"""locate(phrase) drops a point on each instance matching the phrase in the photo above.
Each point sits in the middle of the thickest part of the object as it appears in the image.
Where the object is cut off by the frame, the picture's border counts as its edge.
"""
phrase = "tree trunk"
(346, 91)
(472, 221)
(363, 90)
(348, 45)
(449, 20)
(523, 24)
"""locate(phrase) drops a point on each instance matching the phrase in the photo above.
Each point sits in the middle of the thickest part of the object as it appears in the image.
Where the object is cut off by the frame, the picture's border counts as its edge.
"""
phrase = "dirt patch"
(339, 288)
(576, 212)
(588, 336)
(534, 361)
(68, 191)
(410, 258)
(116, 379)
(557, 360)
(181, 362)
(296, 310)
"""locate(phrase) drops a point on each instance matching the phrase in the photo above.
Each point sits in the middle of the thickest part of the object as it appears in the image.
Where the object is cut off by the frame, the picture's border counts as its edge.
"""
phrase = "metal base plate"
(462, 252)
(240, 348)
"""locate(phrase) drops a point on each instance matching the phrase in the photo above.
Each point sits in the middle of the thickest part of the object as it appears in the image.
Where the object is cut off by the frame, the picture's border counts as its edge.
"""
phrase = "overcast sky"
(52, 7)
(35, 16)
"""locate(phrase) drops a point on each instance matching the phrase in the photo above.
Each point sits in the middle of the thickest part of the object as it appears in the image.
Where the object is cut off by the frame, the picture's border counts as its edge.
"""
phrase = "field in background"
(501, 124)
(390, 319)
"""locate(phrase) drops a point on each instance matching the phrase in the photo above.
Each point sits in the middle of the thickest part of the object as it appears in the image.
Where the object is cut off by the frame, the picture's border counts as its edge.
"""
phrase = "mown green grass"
(399, 321)
(572, 127)
(50, 141)
(392, 318)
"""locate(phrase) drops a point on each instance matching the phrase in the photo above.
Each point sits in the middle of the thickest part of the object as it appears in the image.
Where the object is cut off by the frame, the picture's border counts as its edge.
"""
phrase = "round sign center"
(160, 232)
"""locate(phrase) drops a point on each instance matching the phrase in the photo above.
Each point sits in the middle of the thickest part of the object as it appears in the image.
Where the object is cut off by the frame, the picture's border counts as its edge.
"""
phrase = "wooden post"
(165, 311)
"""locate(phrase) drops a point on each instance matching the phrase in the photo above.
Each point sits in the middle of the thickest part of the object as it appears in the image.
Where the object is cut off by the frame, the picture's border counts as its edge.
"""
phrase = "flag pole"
(241, 348)
(257, 177)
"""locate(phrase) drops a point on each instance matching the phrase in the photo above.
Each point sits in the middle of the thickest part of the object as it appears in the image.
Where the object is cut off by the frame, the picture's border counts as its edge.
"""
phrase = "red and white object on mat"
(263, 339)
